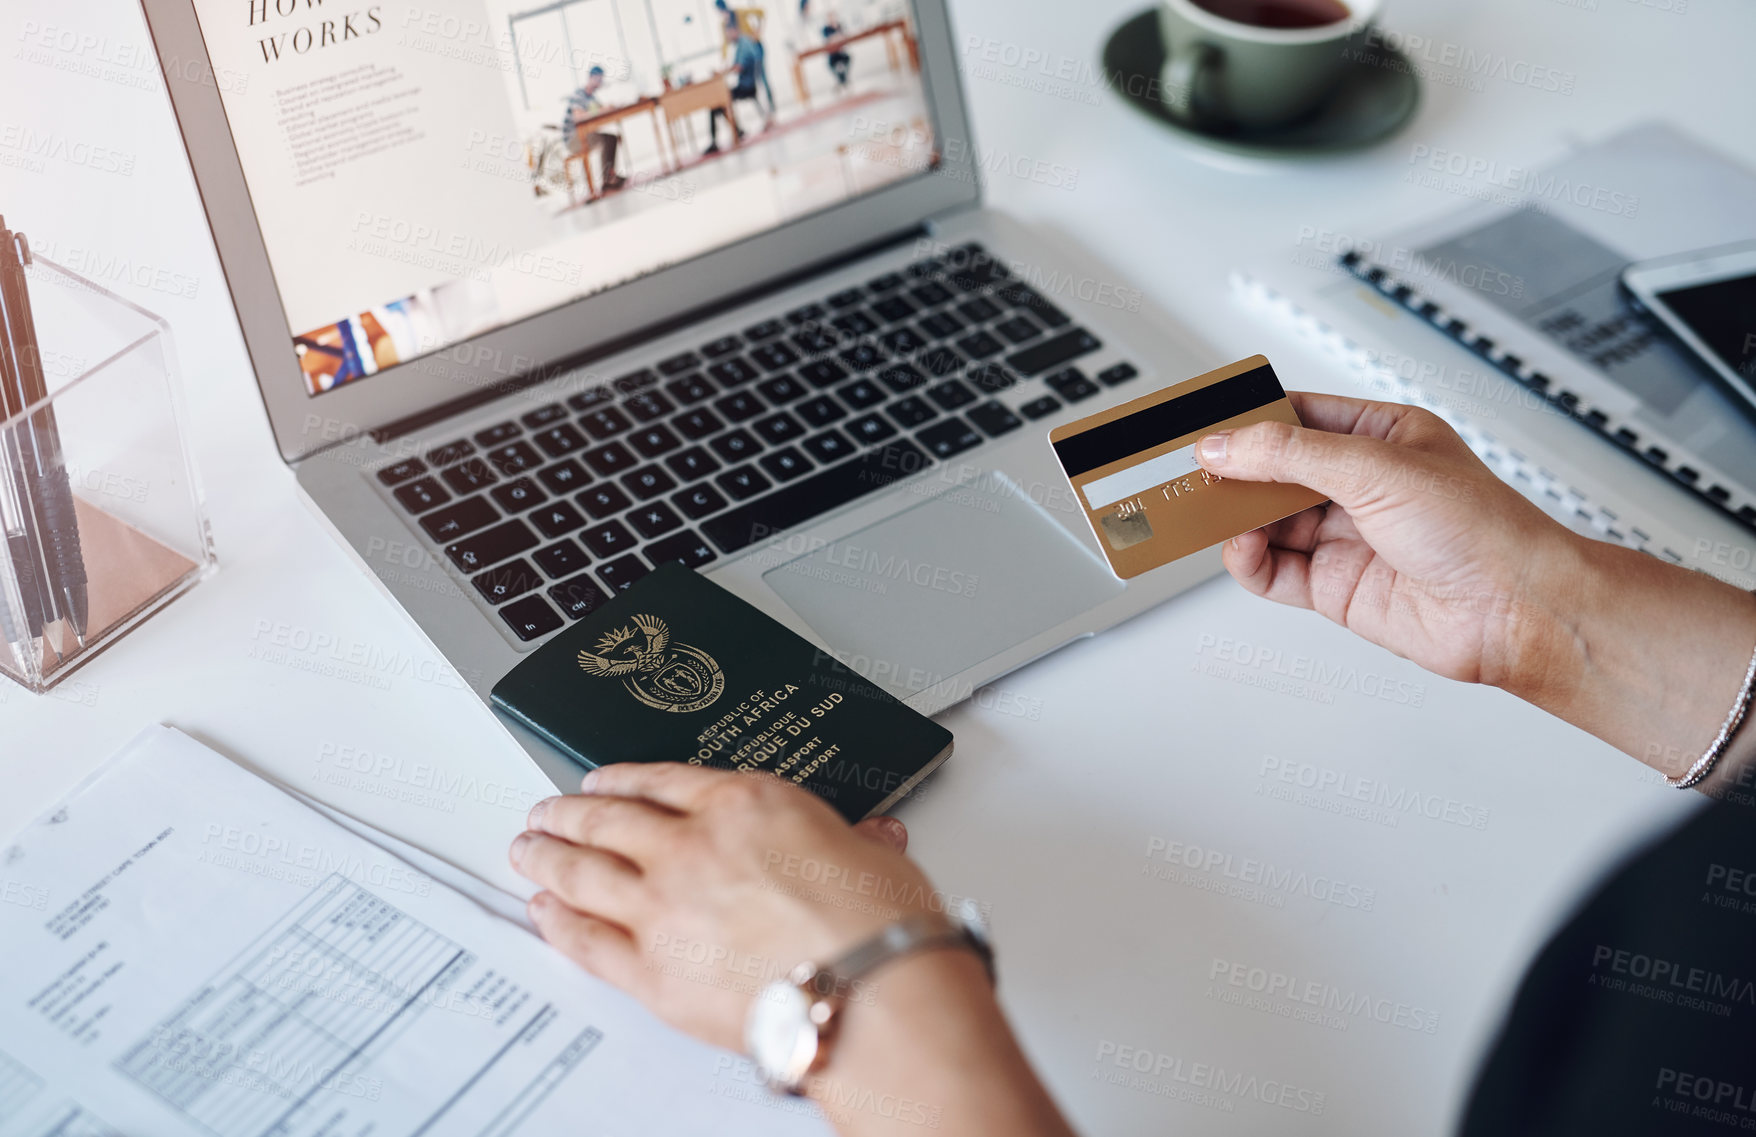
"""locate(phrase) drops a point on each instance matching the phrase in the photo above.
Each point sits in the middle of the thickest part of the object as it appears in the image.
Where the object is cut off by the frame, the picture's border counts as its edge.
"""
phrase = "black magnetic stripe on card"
(1156, 425)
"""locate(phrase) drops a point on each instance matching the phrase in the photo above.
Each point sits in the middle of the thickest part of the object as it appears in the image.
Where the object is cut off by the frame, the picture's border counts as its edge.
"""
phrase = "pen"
(57, 523)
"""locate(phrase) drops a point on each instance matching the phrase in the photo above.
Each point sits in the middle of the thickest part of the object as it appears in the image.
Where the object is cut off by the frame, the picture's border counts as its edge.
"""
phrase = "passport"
(677, 669)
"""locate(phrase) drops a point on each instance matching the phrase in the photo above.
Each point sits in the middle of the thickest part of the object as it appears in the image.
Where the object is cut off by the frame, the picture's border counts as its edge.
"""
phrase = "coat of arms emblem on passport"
(663, 675)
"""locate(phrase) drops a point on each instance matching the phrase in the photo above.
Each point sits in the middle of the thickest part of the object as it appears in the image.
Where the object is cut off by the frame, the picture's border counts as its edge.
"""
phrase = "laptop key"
(456, 520)
(491, 546)
(732, 372)
(1052, 353)
(621, 573)
(953, 436)
(821, 373)
(861, 393)
(451, 452)
(1040, 406)
(559, 440)
(592, 397)
(818, 494)
(1030, 300)
(635, 382)
(654, 440)
(498, 585)
(868, 429)
(692, 464)
(829, 447)
(888, 282)
(902, 377)
(469, 476)
(610, 458)
(778, 428)
(785, 464)
(820, 411)
(807, 313)
(578, 597)
(855, 323)
(942, 325)
(978, 310)
(911, 412)
(603, 501)
(725, 345)
(982, 345)
(605, 422)
(563, 477)
(894, 309)
(421, 495)
(782, 389)
(513, 458)
(815, 339)
(847, 298)
(903, 341)
(736, 445)
(766, 330)
(992, 378)
(774, 356)
(862, 356)
(691, 389)
(649, 481)
(740, 406)
(951, 394)
(1071, 384)
(556, 519)
(402, 471)
(940, 361)
(743, 482)
(699, 501)
(495, 435)
(1120, 373)
(530, 618)
(649, 405)
(931, 294)
(687, 549)
(654, 519)
(608, 539)
(1018, 329)
(678, 364)
(518, 495)
(544, 416)
(697, 424)
(561, 560)
(994, 419)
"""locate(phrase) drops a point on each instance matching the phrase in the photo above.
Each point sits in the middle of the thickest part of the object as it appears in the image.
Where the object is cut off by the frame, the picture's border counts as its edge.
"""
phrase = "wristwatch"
(791, 1026)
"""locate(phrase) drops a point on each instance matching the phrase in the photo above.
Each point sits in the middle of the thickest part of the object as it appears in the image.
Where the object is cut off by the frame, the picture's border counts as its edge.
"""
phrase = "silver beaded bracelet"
(1735, 718)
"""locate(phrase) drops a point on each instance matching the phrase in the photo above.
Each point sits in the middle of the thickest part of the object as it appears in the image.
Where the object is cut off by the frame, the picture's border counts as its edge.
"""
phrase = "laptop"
(539, 296)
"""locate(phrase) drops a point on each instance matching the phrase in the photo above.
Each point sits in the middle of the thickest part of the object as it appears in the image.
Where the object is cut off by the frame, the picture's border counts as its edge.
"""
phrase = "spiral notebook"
(1530, 283)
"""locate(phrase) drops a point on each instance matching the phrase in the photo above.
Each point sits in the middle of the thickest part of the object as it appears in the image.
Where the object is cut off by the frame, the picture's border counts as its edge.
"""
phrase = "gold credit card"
(1134, 471)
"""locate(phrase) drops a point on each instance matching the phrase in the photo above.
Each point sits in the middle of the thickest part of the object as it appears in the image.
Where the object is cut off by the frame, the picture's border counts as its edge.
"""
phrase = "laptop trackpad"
(944, 585)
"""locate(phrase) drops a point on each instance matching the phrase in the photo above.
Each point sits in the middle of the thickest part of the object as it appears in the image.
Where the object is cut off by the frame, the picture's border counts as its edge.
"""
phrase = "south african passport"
(677, 669)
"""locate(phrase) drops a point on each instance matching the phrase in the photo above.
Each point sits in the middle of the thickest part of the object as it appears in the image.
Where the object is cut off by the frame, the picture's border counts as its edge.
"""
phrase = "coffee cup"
(1255, 64)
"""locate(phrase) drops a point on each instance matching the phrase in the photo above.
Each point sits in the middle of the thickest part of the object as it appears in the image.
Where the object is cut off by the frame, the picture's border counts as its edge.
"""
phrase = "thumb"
(886, 831)
(1338, 466)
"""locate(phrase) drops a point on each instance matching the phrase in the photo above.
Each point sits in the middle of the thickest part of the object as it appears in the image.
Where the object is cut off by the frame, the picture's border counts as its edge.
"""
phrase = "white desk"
(1088, 761)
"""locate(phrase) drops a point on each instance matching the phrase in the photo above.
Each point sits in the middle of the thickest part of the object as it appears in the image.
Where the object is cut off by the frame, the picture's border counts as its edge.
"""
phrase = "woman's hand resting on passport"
(689, 888)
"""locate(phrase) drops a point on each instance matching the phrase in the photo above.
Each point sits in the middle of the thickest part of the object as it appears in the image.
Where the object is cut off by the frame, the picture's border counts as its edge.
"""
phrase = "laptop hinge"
(457, 406)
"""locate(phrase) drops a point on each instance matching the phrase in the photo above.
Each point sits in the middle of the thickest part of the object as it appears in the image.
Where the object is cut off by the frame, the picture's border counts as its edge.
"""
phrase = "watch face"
(779, 1032)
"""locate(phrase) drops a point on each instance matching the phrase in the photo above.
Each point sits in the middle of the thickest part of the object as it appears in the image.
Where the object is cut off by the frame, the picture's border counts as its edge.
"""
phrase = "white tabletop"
(1085, 787)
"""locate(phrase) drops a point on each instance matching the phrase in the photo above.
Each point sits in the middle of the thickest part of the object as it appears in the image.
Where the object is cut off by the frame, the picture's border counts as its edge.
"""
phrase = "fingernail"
(520, 846)
(587, 782)
(535, 820)
(1212, 449)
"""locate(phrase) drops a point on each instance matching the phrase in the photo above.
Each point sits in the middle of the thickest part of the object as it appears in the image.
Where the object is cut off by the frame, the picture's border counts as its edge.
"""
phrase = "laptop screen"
(426, 172)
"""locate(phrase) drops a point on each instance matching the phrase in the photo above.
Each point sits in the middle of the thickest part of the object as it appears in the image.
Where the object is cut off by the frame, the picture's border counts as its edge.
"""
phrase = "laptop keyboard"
(717, 449)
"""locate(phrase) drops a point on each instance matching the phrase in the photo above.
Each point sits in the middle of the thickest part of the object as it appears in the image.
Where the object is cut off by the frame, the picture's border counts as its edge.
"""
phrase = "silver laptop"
(541, 295)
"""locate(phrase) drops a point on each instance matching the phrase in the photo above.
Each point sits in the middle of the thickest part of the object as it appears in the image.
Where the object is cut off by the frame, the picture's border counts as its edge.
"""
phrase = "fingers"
(602, 948)
(1281, 575)
(887, 831)
(669, 783)
(631, 827)
(1342, 467)
(590, 880)
(1340, 415)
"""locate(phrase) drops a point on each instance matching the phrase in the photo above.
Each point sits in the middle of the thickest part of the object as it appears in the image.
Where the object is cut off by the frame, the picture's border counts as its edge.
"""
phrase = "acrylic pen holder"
(101, 510)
